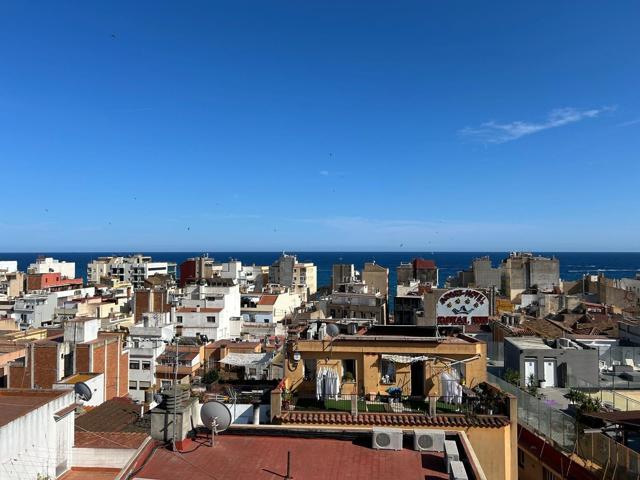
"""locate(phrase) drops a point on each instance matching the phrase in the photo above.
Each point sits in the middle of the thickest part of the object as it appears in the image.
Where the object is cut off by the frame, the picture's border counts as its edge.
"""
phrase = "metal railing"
(608, 397)
(604, 455)
(464, 405)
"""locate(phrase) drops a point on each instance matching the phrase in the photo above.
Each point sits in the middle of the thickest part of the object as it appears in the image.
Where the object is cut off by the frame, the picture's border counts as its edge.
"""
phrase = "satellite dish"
(333, 330)
(83, 391)
(218, 412)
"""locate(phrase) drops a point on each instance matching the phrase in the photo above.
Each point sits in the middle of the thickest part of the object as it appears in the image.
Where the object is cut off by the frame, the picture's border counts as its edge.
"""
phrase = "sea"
(573, 265)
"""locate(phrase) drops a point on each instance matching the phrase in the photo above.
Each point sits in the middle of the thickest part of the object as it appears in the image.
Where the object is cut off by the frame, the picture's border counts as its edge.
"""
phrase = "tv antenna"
(216, 416)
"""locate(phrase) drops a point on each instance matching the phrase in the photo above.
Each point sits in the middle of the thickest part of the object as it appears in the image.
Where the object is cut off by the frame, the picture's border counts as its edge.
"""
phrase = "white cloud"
(635, 121)
(494, 132)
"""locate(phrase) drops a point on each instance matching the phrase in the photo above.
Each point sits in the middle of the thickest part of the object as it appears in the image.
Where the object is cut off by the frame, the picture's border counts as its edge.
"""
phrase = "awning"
(246, 359)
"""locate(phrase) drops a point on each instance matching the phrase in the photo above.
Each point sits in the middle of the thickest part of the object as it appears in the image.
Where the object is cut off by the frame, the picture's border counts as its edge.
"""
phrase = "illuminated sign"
(462, 306)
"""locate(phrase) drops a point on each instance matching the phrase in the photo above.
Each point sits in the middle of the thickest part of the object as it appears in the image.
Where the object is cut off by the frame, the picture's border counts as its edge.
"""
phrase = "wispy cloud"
(635, 121)
(324, 173)
(494, 132)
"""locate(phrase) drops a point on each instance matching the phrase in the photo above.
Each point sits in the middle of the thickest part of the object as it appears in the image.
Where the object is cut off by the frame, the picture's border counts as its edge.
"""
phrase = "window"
(179, 318)
(387, 372)
(133, 385)
(520, 458)
(211, 319)
(134, 365)
(252, 371)
(349, 370)
(144, 385)
(309, 368)
(166, 383)
(549, 475)
(146, 365)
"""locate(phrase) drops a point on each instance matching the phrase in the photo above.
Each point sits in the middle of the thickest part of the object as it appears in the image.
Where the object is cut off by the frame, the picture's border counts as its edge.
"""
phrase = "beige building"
(377, 277)
(11, 284)
(371, 363)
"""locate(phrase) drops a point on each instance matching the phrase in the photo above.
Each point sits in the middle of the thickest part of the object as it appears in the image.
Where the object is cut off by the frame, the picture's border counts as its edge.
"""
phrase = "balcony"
(481, 401)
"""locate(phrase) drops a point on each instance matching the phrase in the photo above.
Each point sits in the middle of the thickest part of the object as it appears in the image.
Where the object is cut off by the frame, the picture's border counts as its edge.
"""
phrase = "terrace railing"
(465, 405)
(605, 456)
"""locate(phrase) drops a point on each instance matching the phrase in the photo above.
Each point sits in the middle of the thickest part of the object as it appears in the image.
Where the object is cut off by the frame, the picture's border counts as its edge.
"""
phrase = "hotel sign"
(462, 306)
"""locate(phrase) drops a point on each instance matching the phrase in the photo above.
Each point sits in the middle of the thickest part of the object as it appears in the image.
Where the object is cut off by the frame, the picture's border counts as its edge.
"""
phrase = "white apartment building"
(135, 269)
(147, 341)
(52, 265)
(36, 310)
(263, 313)
(208, 309)
(8, 266)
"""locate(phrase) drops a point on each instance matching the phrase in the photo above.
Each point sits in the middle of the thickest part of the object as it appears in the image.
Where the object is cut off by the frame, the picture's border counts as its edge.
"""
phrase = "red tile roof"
(424, 264)
(82, 473)
(392, 420)
(131, 440)
(115, 415)
(268, 300)
(261, 457)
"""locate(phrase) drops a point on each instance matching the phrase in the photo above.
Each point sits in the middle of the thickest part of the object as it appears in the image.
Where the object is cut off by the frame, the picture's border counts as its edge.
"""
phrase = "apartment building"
(522, 271)
(52, 265)
(420, 270)
(12, 284)
(135, 269)
(356, 301)
(263, 313)
(81, 347)
(207, 309)
(147, 342)
(288, 272)
(379, 376)
(8, 266)
(35, 310)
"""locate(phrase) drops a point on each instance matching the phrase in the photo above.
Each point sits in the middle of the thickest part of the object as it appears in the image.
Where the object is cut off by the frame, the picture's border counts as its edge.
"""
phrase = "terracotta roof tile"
(268, 300)
(109, 439)
(392, 419)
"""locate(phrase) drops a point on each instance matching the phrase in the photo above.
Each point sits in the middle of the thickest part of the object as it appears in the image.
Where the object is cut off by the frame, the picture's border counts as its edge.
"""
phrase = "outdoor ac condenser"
(387, 439)
(451, 453)
(457, 471)
(428, 440)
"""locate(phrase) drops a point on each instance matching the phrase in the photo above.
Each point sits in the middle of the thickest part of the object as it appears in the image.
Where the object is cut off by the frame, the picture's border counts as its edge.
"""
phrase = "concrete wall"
(580, 364)
(36, 443)
(102, 457)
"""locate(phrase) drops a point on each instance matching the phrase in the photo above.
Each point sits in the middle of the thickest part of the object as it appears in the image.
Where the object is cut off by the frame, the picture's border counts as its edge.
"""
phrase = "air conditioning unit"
(387, 439)
(457, 471)
(428, 440)
(451, 453)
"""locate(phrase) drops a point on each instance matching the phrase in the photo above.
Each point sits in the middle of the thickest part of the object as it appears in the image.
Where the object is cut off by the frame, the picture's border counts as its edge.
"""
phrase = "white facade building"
(135, 269)
(147, 341)
(208, 309)
(8, 266)
(36, 310)
(52, 265)
(36, 437)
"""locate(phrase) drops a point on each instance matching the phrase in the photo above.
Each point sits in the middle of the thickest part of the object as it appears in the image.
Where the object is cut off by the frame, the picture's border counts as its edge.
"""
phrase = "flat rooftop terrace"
(265, 457)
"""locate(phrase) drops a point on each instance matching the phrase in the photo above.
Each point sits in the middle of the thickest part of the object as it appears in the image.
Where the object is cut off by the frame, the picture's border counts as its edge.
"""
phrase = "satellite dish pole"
(214, 430)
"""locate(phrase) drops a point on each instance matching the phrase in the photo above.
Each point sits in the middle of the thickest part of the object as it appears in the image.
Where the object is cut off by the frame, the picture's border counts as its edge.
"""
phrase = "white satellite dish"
(333, 330)
(83, 391)
(215, 413)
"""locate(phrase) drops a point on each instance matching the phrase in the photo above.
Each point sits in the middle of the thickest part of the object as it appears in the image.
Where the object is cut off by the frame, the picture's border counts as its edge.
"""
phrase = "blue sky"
(426, 125)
